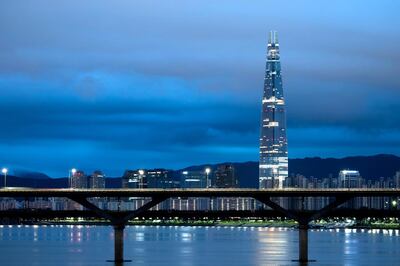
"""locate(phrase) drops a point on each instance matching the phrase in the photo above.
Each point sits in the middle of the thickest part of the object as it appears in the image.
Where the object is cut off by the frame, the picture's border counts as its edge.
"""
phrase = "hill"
(370, 167)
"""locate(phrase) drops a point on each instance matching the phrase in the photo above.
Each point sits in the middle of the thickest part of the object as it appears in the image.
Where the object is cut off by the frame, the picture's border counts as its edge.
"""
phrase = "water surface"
(192, 246)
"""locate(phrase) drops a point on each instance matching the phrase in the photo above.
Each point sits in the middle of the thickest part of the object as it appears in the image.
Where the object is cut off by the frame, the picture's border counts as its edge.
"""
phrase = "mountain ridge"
(370, 167)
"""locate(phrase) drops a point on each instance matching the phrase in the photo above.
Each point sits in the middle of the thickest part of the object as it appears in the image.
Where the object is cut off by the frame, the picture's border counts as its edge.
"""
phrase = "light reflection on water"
(187, 246)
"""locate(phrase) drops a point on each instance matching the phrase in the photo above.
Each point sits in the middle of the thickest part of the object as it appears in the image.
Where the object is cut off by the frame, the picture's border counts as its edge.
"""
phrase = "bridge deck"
(211, 192)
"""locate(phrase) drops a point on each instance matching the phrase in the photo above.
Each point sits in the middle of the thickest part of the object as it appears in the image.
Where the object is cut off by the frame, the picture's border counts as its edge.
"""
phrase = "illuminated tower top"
(273, 46)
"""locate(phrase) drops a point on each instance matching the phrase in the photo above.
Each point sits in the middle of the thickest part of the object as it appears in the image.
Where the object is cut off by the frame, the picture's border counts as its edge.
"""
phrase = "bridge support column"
(303, 221)
(118, 221)
(119, 243)
(303, 242)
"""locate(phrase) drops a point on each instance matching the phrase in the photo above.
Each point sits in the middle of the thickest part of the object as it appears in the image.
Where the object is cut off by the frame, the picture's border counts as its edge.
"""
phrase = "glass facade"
(273, 168)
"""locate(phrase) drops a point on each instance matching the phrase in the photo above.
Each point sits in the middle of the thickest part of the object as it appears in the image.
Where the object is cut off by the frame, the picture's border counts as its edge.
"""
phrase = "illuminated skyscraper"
(273, 142)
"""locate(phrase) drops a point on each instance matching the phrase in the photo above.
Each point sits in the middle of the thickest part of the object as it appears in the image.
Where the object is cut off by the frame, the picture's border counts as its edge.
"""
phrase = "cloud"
(156, 84)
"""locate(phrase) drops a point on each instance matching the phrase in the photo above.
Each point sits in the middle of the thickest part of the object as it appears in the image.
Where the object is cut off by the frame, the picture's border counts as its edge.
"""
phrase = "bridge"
(119, 219)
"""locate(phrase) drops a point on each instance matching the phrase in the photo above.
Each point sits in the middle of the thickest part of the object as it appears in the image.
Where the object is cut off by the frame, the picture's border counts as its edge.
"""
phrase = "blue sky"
(129, 84)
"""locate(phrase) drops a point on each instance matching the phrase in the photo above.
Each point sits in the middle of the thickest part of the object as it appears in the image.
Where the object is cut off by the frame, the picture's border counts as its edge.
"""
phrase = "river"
(192, 246)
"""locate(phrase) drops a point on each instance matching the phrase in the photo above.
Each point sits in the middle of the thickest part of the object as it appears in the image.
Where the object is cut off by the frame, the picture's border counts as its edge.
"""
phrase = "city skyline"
(179, 132)
(140, 89)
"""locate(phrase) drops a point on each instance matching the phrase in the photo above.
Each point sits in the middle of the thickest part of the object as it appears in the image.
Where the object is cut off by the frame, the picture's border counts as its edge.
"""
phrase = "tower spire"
(275, 37)
(270, 38)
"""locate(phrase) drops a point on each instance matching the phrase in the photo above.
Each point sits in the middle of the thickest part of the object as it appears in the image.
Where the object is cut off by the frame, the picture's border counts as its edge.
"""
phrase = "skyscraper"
(273, 168)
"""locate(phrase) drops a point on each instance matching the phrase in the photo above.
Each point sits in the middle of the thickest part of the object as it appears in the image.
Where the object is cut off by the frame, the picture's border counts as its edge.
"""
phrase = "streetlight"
(5, 171)
(141, 173)
(208, 170)
(71, 174)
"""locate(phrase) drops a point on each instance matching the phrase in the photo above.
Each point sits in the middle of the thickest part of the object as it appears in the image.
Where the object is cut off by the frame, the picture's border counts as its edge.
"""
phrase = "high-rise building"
(273, 168)
(148, 178)
(194, 179)
(159, 178)
(134, 179)
(97, 180)
(225, 177)
(397, 180)
(79, 179)
(349, 179)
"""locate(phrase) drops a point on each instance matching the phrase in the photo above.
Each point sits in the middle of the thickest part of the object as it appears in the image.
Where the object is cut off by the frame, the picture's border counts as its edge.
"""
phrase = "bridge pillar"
(117, 221)
(119, 243)
(303, 242)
